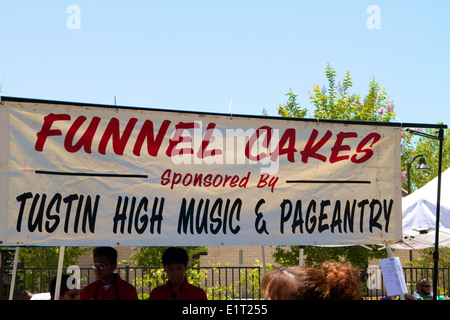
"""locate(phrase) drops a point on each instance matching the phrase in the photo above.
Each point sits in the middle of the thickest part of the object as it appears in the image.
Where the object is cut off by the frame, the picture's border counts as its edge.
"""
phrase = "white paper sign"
(393, 276)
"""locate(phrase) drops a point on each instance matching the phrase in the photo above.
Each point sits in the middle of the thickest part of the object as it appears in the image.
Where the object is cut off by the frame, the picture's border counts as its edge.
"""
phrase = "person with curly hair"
(343, 281)
(334, 281)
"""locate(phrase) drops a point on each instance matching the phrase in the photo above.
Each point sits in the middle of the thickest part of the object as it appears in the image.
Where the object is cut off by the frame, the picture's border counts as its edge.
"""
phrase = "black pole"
(438, 211)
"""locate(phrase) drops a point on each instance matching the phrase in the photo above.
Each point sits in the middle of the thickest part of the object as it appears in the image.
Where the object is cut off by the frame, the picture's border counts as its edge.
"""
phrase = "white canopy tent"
(419, 216)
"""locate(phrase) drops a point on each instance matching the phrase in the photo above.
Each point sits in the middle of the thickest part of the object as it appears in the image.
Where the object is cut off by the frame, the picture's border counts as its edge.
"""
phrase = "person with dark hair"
(334, 281)
(109, 285)
(25, 295)
(175, 262)
(64, 292)
(424, 292)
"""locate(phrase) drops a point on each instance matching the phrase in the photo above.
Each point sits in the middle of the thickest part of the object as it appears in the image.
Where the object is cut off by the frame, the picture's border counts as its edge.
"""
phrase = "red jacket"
(187, 292)
(119, 290)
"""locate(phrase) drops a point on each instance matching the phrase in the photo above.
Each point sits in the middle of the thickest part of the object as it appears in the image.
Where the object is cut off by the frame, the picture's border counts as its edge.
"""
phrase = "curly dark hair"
(334, 281)
(343, 281)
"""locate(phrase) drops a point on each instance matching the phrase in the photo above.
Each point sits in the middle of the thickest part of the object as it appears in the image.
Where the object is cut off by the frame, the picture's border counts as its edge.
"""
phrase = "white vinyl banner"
(84, 175)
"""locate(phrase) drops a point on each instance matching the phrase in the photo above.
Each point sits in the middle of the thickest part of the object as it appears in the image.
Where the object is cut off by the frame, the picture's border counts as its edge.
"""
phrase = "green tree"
(338, 103)
(47, 257)
(314, 256)
(425, 260)
(413, 145)
(291, 108)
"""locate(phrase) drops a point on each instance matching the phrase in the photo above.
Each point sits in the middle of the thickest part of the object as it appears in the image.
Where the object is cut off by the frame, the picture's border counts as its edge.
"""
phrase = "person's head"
(105, 262)
(423, 287)
(25, 295)
(175, 262)
(175, 255)
(334, 281)
(65, 293)
(294, 283)
(343, 281)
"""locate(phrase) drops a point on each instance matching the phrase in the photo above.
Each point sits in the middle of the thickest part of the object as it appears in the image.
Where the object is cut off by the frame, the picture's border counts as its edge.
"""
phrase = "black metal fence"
(220, 283)
(375, 287)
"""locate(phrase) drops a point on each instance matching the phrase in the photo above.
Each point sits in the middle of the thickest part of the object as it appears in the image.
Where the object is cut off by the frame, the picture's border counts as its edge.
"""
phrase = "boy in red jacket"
(177, 287)
(109, 285)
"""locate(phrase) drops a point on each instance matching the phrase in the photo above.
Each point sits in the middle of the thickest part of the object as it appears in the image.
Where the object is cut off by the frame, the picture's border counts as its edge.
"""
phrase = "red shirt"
(118, 290)
(187, 292)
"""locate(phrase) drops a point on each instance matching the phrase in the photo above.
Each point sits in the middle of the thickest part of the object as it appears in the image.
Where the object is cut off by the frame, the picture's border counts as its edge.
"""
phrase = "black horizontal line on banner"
(87, 174)
(329, 181)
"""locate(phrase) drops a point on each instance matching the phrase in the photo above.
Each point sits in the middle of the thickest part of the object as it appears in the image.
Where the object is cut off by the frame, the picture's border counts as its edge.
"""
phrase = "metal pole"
(408, 172)
(59, 273)
(438, 212)
(14, 274)
(263, 254)
(408, 168)
(300, 256)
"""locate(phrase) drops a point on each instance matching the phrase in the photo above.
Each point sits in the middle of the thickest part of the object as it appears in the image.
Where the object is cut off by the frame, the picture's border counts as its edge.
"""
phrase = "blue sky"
(202, 55)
